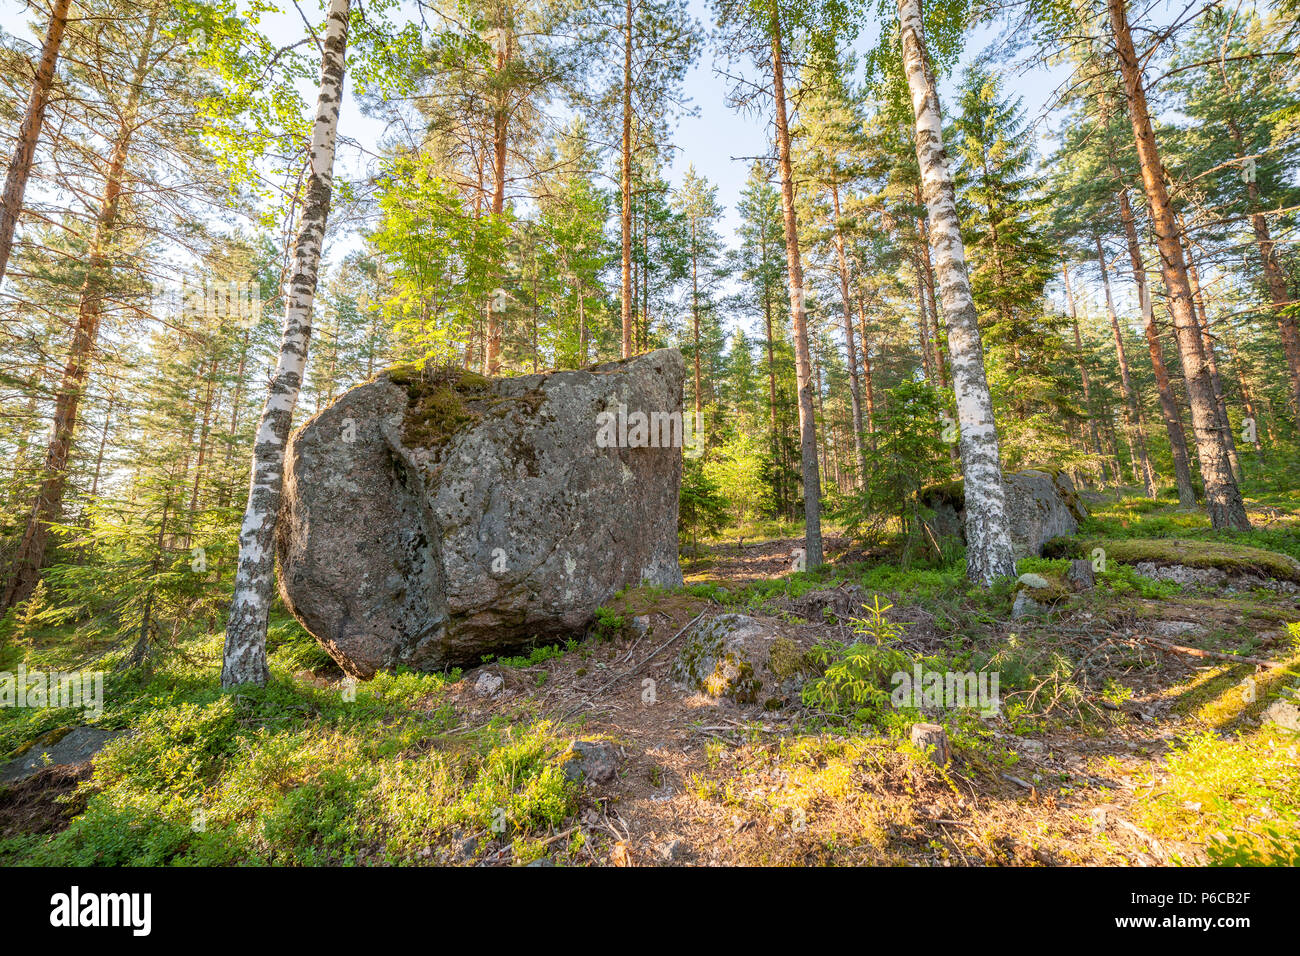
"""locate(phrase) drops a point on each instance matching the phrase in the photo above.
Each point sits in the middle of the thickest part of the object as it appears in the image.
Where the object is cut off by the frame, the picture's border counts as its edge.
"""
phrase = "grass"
(1235, 796)
(293, 773)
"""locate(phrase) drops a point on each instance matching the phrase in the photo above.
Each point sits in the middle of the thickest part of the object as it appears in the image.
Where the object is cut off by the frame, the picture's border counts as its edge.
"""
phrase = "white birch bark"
(988, 535)
(244, 660)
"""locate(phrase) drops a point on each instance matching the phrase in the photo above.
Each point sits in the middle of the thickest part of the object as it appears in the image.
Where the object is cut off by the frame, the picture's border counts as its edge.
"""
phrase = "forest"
(903, 248)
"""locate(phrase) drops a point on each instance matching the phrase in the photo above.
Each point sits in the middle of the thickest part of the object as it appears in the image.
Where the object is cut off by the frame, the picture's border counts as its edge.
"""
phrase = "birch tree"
(988, 533)
(244, 658)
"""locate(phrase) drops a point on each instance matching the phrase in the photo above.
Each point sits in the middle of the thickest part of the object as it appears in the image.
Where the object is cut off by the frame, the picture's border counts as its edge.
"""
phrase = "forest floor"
(1109, 747)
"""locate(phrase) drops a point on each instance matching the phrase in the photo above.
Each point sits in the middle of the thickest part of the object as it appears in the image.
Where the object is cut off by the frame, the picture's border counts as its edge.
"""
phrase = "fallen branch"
(1216, 655)
(628, 673)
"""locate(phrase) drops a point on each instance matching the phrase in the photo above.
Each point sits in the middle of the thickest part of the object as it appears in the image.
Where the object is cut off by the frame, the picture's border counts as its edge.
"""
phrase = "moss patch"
(1232, 558)
(438, 401)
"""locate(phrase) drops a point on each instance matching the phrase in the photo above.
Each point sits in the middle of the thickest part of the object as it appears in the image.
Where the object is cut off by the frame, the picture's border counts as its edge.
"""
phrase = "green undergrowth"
(293, 773)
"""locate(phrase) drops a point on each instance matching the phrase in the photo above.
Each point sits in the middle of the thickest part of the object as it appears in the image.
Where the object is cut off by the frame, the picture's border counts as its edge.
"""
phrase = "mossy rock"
(717, 659)
(1233, 559)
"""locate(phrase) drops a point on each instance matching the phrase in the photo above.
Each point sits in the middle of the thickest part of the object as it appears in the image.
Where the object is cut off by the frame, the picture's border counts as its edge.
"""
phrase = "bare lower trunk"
(1222, 496)
(855, 386)
(695, 321)
(1247, 396)
(936, 336)
(30, 553)
(798, 309)
(20, 165)
(988, 537)
(244, 659)
(626, 182)
(1273, 275)
(1211, 357)
(1135, 425)
(1083, 368)
(866, 373)
(492, 317)
(1168, 404)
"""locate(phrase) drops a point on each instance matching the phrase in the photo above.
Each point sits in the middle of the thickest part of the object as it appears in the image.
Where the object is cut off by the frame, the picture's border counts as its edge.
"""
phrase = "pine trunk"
(29, 556)
(855, 385)
(1135, 424)
(988, 537)
(626, 183)
(1222, 496)
(1168, 404)
(798, 309)
(244, 659)
(1083, 367)
(20, 165)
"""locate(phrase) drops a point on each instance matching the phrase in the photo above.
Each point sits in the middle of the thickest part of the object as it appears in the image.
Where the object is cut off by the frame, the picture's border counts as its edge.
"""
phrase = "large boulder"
(432, 516)
(1041, 506)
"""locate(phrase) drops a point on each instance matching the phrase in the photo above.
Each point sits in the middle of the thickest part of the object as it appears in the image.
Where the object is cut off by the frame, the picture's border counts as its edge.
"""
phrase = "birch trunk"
(245, 651)
(798, 311)
(1222, 496)
(988, 537)
(20, 166)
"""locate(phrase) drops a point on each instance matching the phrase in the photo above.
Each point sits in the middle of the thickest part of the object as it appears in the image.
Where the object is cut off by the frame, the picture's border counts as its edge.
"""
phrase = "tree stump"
(926, 736)
(1080, 576)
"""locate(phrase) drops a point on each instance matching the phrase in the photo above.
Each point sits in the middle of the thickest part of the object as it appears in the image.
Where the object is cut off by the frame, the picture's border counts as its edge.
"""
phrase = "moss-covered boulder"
(433, 515)
(1189, 560)
(725, 657)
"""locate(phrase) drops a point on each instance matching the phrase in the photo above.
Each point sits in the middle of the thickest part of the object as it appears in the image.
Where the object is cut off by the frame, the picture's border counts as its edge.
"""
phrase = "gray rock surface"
(431, 516)
(1026, 606)
(1041, 506)
(721, 657)
(593, 760)
(77, 746)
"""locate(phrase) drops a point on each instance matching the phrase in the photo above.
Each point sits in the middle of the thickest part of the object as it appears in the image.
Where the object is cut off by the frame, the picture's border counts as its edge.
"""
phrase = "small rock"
(593, 760)
(1025, 606)
(1031, 580)
(544, 861)
(76, 746)
(673, 850)
(1175, 628)
(1182, 574)
(488, 684)
(1283, 715)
